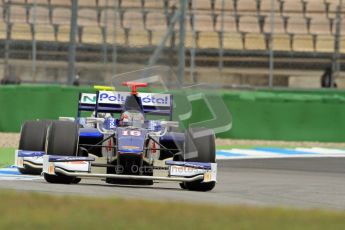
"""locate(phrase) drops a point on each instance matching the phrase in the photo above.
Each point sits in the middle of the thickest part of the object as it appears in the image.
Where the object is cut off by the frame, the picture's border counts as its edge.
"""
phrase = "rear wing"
(113, 102)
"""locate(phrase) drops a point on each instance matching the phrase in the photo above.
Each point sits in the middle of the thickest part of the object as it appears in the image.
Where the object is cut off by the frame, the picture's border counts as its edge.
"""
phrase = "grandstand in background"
(227, 43)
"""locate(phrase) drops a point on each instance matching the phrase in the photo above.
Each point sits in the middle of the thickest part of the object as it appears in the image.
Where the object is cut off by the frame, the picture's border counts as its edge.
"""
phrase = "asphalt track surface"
(298, 183)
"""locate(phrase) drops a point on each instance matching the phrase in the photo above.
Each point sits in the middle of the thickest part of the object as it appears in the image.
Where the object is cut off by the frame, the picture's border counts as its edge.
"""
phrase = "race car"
(119, 143)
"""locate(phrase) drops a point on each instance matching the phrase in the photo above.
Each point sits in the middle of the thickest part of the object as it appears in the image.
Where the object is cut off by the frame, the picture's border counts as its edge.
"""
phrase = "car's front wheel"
(33, 138)
(62, 140)
(202, 142)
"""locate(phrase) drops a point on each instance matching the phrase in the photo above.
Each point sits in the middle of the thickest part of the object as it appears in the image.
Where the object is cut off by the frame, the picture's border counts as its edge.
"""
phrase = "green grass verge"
(6, 157)
(38, 211)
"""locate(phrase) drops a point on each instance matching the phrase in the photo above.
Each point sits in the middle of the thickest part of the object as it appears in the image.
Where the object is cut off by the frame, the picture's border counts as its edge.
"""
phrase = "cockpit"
(132, 118)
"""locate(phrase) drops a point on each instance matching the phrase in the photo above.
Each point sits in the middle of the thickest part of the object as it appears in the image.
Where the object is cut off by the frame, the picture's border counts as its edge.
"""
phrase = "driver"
(132, 118)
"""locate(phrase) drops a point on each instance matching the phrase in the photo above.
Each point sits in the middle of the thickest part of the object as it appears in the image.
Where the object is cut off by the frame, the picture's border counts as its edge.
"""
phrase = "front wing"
(177, 170)
(33, 159)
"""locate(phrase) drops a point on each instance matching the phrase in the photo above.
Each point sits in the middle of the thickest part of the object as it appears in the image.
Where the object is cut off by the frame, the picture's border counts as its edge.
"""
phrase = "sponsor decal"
(23, 153)
(147, 99)
(110, 123)
(67, 159)
(197, 165)
(185, 171)
(88, 98)
(130, 147)
(112, 97)
(176, 170)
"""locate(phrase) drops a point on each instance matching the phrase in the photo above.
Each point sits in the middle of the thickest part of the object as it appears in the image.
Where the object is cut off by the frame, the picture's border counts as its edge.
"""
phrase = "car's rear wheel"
(202, 141)
(62, 140)
(33, 138)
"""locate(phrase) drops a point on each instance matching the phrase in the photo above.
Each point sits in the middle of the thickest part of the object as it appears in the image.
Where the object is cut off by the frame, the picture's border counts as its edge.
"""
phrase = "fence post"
(271, 53)
(336, 53)
(7, 41)
(34, 44)
(221, 39)
(192, 50)
(104, 45)
(181, 46)
(72, 42)
(114, 45)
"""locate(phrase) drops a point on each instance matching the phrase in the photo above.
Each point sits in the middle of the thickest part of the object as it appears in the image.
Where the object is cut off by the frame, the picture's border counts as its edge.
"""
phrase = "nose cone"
(131, 140)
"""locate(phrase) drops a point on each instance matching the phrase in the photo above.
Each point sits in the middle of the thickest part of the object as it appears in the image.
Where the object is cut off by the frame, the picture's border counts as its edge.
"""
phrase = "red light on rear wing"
(134, 85)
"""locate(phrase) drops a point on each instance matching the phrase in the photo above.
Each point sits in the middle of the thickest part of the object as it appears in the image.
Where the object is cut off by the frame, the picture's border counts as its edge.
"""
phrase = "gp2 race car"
(119, 144)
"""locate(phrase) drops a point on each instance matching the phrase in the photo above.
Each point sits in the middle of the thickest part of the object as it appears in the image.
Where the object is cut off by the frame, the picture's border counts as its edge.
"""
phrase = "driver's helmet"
(132, 118)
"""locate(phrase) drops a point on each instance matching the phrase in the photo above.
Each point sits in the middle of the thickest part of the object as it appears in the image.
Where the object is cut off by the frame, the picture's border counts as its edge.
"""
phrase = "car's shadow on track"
(150, 187)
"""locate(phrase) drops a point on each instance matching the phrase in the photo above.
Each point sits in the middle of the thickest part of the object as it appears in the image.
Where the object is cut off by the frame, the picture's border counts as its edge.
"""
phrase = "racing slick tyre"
(201, 140)
(62, 140)
(33, 138)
